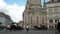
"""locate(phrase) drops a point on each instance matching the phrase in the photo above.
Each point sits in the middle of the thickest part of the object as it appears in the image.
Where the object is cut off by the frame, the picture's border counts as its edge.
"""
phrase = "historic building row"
(35, 15)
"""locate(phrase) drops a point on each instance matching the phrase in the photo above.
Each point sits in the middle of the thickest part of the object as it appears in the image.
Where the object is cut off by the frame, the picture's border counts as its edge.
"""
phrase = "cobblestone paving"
(32, 32)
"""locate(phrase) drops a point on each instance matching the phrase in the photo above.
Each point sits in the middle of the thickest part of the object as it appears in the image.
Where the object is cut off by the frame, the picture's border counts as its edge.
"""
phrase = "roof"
(2, 14)
(20, 22)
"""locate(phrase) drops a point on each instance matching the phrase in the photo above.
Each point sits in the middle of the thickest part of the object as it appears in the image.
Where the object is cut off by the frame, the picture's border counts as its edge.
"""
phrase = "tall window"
(56, 20)
(50, 10)
(42, 20)
(50, 15)
(51, 21)
(31, 19)
(56, 10)
(37, 19)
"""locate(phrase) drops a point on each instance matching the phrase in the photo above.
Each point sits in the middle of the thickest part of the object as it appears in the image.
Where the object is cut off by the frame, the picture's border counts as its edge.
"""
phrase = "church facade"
(35, 15)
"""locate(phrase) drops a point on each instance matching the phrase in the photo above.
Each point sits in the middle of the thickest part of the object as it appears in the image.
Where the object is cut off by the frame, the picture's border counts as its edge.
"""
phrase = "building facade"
(4, 19)
(53, 13)
(21, 23)
(33, 14)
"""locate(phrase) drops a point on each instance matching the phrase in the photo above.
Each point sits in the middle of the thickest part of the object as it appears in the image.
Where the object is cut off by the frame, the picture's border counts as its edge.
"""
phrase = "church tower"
(33, 5)
(32, 14)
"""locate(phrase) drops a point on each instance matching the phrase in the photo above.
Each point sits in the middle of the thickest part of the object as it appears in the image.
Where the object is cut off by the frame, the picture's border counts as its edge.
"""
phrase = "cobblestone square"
(32, 32)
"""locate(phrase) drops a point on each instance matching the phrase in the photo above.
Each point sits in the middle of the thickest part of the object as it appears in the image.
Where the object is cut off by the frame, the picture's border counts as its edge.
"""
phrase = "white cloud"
(15, 11)
(2, 4)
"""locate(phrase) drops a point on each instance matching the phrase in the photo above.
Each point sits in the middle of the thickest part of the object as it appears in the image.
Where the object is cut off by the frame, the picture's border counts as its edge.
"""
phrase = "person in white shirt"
(27, 28)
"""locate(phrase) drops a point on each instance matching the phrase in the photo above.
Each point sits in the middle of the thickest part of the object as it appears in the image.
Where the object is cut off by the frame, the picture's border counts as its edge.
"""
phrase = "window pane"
(51, 21)
(56, 10)
(50, 10)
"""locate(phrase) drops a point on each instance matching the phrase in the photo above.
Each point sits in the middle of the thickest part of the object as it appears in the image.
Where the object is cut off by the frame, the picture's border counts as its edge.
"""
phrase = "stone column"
(59, 20)
(53, 20)
(48, 21)
(48, 26)
(54, 27)
(54, 23)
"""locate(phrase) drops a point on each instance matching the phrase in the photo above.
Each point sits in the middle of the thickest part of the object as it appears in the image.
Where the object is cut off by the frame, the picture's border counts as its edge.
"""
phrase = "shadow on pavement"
(57, 32)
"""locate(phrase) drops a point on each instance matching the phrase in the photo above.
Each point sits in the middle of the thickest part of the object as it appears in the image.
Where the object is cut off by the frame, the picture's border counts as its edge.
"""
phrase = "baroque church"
(35, 15)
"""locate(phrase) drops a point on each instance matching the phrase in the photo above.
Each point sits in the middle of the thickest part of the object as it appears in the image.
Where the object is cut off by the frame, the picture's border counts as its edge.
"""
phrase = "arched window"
(51, 21)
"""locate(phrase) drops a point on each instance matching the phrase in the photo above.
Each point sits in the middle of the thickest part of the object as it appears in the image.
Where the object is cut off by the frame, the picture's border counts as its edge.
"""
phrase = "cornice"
(51, 2)
(53, 7)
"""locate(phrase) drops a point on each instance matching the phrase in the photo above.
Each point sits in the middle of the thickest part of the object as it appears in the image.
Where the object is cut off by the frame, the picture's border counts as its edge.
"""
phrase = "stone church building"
(35, 15)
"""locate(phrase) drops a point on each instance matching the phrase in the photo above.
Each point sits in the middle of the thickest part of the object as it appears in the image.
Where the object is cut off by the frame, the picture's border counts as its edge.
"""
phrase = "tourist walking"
(27, 28)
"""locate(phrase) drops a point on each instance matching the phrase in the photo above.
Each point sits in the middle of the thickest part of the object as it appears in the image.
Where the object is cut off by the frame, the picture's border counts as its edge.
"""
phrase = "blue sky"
(14, 8)
(19, 2)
